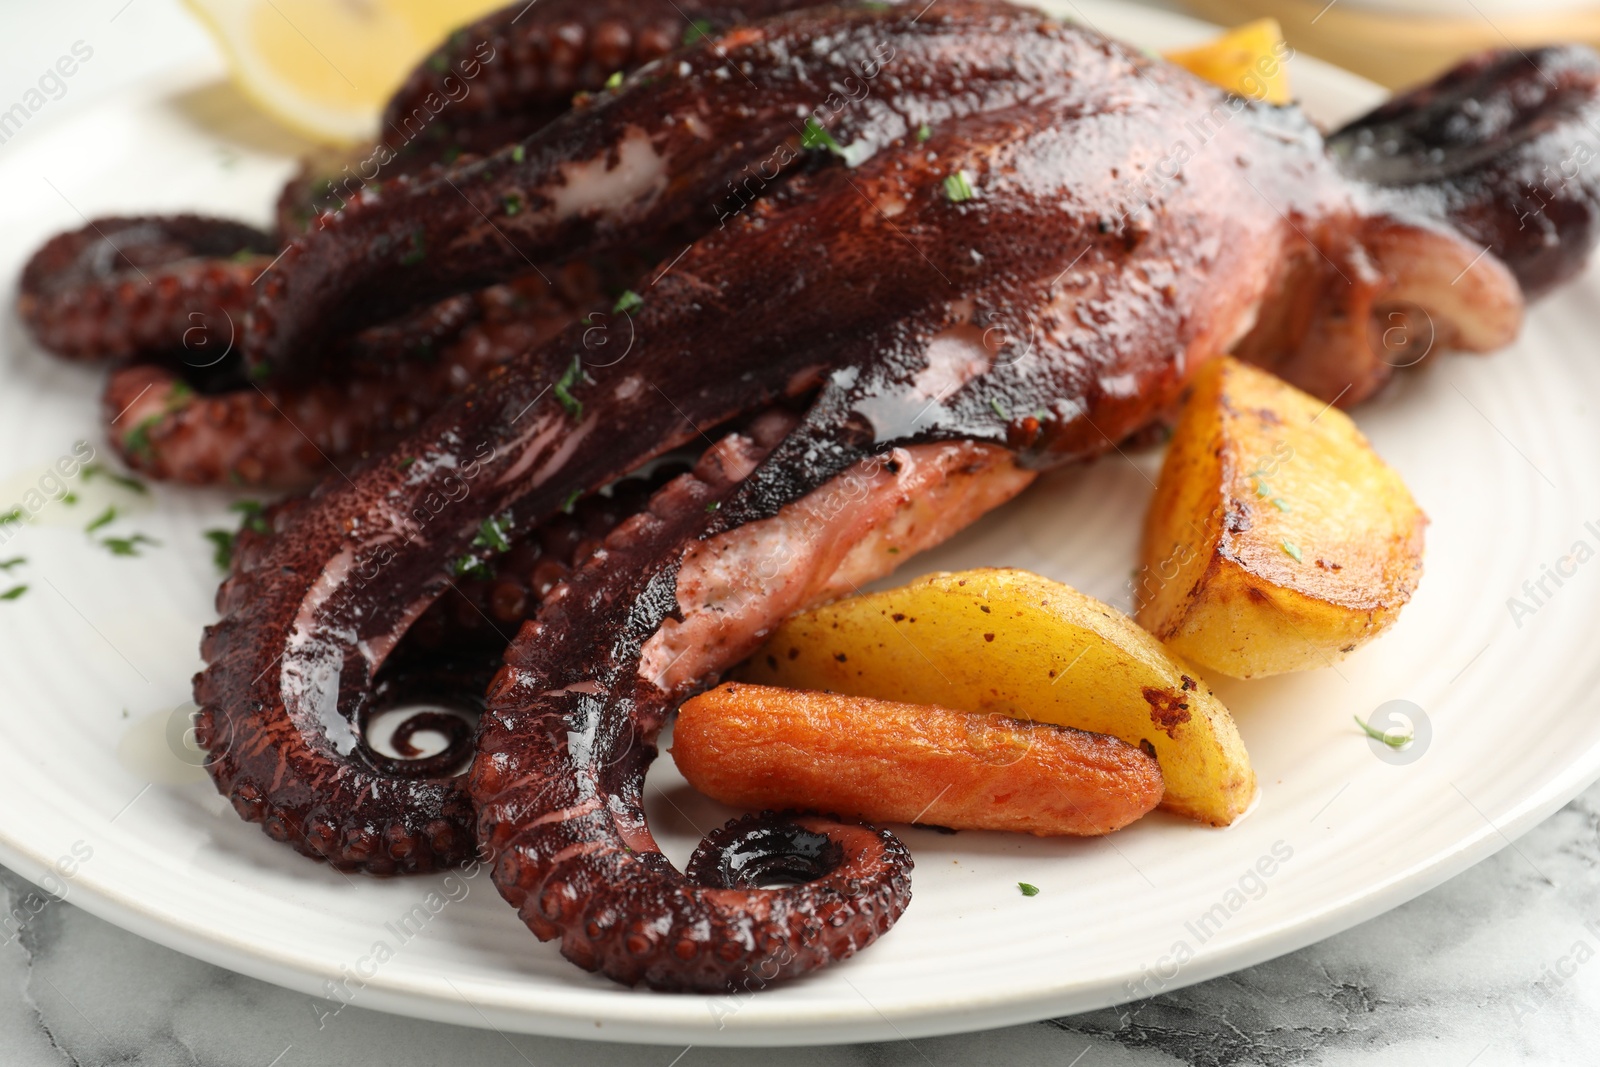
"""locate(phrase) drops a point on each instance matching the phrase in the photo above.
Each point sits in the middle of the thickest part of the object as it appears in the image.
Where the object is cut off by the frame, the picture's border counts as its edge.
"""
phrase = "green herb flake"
(407, 462)
(469, 567)
(999, 409)
(178, 393)
(492, 534)
(253, 518)
(571, 501)
(894, 551)
(628, 301)
(511, 204)
(1393, 740)
(128, 546)
(14, 515)
(697, 30)
(615, 81)
(713, 506)
(1293, 550)
(518, 154)
(1262, 488)
(816, 135)
(438, 63)
(1028, 889)
(876, 5)
(221, 548)
(1279, 503)
(70, 499)
(924, 133)
(958, 187)
(14, 592)
(15, 561)
(260, 372)
(137, 442)
(104, 519)
(563, 389)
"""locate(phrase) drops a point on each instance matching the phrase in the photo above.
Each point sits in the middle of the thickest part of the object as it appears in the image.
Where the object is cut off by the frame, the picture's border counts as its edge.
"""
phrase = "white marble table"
(1489, 968)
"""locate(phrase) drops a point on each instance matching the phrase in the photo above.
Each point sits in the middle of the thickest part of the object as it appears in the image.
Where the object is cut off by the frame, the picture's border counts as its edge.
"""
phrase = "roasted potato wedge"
(1277, 539)
(1013, 643)
(757, 746)
(1249, 60)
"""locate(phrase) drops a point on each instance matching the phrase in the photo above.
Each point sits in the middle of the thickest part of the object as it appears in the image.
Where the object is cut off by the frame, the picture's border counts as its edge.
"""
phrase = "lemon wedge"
(1250, 60)
(326, 67)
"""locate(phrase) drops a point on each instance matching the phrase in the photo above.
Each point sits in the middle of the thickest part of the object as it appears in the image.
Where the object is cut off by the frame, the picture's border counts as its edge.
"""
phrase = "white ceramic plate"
(1502, 452)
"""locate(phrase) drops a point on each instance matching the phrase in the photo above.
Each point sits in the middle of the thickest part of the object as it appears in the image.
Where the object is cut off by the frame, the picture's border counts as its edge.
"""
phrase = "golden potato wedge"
(1248, 60)
(1010, 642)
(758, 746)
(1277, 539)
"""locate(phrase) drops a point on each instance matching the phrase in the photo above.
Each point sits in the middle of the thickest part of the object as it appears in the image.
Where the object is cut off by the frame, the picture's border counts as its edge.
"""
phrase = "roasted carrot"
(756, 746)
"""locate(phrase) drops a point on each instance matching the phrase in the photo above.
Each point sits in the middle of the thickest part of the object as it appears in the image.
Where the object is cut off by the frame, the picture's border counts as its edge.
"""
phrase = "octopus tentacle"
(663, 152)
(288, 436)
(127, 286)
(351, 804)
(521, 61)
(496, 81)
(1498, 147)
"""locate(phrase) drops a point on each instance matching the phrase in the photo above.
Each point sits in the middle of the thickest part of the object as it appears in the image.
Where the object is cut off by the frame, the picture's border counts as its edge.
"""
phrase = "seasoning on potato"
(1009, 642)
(1277, 539)
(759, 746)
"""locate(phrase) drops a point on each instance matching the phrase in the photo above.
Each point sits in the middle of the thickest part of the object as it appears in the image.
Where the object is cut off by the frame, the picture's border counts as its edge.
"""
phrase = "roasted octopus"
(914, 255)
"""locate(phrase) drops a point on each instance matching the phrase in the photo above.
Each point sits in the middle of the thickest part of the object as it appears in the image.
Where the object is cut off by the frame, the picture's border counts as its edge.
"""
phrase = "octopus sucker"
(879, 335)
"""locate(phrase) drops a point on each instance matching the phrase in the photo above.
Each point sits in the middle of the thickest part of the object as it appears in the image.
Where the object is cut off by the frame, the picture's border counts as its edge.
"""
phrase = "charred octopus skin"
(1075, 276)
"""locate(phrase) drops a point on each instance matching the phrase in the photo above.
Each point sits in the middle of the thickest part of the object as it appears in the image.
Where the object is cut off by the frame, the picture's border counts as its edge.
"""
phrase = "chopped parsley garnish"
(563, 389)
(408, 461)
(511, 204)
(924, 133)
(15, 561)
(1393, 740)
(438, 63)
(713, 506)
(253, 517)
(571, 501)
(137, 442)
(698, 29)
(1262, 488)
(128, 546)
(518, 154)
(1280, 504)
(222, 547)
(998, 408)
(628, 301)
(958, 187)
(178, 393)
(14, 592)
(615, 81)
(70, 499)
(105, 518)
(14, 515)
(1293, 550)
(876, 5)
(492, 534)
(469, 567)
(260, 372)
(816, 135)
(1028, 890)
